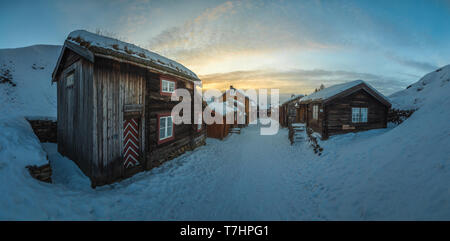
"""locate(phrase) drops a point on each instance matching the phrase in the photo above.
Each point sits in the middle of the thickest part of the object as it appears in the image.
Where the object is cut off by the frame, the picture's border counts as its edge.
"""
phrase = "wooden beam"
(133, 108)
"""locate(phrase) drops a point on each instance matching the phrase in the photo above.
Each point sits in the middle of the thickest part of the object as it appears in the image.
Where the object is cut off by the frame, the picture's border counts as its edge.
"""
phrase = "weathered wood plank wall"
(340, 113)
(117, 85)
(92, 111)
(74, 115)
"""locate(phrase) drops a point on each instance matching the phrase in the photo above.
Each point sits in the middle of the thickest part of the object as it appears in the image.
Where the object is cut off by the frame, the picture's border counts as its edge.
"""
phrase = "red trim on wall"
(158, 116)
(168, 78)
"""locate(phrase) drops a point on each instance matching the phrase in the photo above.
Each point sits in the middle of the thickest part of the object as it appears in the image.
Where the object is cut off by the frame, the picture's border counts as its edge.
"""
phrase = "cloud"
(296, 81)
(233, 28)
(419, 65)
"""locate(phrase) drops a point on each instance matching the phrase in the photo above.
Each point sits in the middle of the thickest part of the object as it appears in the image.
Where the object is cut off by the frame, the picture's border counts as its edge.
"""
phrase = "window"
(70, 79)
(165, 127)
(167, 86)
(315, 112)
(359, 115)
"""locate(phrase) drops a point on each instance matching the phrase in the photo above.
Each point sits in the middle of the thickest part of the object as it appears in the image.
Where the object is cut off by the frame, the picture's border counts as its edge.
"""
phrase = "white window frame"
(166, 86)
(360, 114)
(315, 112)
(165, 127)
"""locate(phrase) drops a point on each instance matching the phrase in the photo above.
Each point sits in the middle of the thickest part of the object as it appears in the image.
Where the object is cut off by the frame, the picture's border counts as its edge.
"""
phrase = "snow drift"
(402, 173)
(431, 86)
(29, 91)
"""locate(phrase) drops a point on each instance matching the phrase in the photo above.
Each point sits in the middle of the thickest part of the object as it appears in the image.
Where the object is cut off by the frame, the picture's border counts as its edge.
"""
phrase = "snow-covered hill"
(428, 87)
(398, 173)
(25, 81)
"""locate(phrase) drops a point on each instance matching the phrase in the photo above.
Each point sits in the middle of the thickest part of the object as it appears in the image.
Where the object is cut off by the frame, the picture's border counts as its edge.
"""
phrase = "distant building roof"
(342, 90)
(294, 97)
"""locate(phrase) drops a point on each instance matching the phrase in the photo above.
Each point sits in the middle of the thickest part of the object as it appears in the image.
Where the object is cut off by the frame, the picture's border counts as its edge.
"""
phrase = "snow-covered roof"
(293, 98)
(221, 107)
(234, 91)
(110, 46)
(334, 90)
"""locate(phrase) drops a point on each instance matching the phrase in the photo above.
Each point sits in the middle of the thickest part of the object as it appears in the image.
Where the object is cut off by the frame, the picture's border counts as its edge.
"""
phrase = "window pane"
(169, 131)
(171, 86)
(169, 121)
(165, 86)
(315, 112)
(162, 122)
(162, 133)
(364, 114)
(355, 115)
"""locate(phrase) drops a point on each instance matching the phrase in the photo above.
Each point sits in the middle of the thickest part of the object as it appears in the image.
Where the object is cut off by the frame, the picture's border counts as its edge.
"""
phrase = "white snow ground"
(402, 172)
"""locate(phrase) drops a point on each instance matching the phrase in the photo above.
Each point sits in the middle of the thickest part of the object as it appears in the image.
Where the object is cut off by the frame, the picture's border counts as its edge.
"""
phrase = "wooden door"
(131, 142)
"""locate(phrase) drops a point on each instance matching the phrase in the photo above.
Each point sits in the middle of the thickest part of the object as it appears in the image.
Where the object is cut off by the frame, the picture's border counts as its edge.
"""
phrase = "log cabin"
(343, 108)
(219, 130)
(290, 111)
(240, 102)
(114, 107)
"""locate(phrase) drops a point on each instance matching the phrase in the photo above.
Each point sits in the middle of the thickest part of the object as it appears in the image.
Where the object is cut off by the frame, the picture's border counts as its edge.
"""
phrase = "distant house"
(240, 101)
(114, 107)
(290, 111)
(219, 130)
(342, 108)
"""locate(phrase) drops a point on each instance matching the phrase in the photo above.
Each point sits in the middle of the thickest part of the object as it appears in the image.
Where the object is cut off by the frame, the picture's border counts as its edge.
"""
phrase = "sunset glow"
(291, 45)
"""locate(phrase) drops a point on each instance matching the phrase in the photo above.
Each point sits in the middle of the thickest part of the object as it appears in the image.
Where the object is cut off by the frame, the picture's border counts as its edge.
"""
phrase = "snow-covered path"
(245, 177)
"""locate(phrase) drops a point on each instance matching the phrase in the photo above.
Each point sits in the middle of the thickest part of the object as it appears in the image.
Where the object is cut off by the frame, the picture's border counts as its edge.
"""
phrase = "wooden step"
(235, 130)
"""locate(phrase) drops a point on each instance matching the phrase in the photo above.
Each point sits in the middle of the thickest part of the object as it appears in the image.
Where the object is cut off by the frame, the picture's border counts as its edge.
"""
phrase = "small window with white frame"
(315, 112)
(359, 115)
(165, 127)
(70, 79)
(167, 86)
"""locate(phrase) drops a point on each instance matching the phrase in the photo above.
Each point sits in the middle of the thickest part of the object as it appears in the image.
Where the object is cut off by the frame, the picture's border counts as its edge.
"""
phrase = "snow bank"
(80, 36)
(30, 69)
(428, 87)
(399, 173)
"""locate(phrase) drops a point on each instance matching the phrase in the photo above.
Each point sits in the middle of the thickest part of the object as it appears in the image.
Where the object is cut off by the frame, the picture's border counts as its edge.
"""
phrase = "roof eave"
(355, 88)
(85, 53)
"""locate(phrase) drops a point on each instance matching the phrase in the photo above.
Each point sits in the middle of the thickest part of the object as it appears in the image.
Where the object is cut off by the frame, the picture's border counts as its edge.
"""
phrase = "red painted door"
(131, 142)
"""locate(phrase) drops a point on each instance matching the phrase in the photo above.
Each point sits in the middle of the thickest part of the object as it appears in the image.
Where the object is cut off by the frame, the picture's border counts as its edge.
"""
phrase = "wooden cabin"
(240, 100)
(114, 107)
(219, 130)
(291, 111)
(343, 108)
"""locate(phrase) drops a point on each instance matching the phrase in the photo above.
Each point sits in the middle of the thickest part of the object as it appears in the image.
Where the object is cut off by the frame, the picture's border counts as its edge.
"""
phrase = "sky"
(294, 46)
